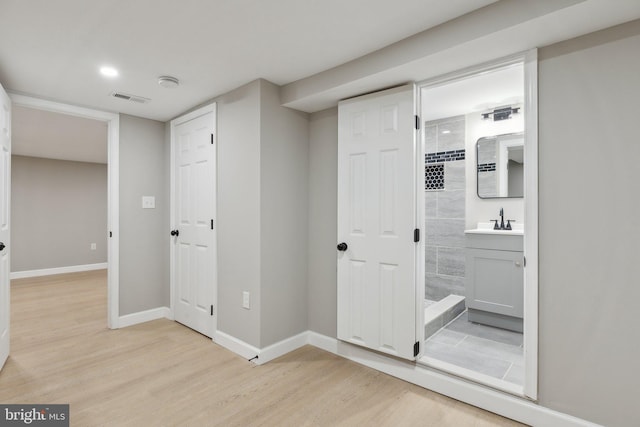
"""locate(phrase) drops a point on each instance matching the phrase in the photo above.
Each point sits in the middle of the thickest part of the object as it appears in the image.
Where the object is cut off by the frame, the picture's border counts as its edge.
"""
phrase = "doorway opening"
(479, 152)
(101, 164)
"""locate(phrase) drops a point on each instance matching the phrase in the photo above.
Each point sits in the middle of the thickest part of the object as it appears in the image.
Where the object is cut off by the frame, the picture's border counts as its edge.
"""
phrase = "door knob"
(2, 246)
(175, 233)
(342, 247)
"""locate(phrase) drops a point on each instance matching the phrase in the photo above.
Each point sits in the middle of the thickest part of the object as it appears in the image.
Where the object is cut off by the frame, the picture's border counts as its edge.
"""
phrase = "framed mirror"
(500, 166)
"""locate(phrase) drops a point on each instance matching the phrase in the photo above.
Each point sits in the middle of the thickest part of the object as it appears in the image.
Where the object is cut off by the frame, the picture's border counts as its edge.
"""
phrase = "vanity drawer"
(497, 242)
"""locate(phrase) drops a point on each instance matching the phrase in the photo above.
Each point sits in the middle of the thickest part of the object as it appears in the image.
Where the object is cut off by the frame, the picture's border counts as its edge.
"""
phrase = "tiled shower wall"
(445, 209)
(487, 174)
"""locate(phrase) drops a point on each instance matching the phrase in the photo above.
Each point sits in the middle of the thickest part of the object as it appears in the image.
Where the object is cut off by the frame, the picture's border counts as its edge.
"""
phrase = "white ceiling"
(39, 133)
(477, 93)
(495, 31)
(319, 50)
(53, 49)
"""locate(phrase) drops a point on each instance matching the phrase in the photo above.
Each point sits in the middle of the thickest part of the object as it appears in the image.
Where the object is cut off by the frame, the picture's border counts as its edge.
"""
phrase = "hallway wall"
(58, 208)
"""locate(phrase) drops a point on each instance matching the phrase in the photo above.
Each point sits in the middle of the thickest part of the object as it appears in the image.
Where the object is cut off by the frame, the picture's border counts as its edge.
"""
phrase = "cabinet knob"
(517, 263)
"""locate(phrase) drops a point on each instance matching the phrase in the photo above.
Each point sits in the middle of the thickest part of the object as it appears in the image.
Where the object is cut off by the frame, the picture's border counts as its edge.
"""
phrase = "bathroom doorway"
(479, 192)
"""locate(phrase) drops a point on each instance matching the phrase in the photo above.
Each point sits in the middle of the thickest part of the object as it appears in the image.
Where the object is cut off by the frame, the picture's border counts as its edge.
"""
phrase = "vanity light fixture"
(501, 113)
(168, 82)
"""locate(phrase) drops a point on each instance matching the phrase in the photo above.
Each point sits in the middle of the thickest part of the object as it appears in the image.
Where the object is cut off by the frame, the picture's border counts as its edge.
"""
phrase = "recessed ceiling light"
(108, 71)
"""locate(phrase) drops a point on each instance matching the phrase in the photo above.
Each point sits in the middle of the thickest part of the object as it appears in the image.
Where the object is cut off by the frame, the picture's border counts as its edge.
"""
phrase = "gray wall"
(284, 158)
(144, 233)
(262, 214)
(589, 208)
(323, 222)
(589, 229)
(239, 212)
(58, 208)
(445, 213)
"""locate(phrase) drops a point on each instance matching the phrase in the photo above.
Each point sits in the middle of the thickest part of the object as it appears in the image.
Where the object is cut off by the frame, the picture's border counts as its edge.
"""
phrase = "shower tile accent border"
(487, 167)
(444, 156)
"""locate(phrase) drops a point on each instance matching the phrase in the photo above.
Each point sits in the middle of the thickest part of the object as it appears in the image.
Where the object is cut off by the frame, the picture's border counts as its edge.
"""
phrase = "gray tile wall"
(445, 213)
(487, 180)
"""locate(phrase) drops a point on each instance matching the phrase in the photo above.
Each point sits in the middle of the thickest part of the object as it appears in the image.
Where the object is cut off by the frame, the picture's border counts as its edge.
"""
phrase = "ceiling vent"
(132, 98)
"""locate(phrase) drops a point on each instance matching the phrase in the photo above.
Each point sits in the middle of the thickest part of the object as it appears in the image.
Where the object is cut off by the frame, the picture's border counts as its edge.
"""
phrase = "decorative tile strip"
(444, 156)
(486, 167)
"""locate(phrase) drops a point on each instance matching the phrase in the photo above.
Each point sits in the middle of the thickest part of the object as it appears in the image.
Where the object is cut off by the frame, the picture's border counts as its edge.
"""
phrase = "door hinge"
(212, 224)
(417, 122)
(416, 235)
(211, 138)
(212, 309)
(416, 349)
(524, 261)
(110, 234)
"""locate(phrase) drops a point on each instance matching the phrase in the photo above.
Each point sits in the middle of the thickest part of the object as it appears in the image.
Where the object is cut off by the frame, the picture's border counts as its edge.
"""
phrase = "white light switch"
(246, 300)
(148, 202)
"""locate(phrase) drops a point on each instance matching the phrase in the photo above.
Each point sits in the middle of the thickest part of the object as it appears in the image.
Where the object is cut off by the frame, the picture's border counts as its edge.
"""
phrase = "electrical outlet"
(148, 202)
(93, 246)
(246, 300)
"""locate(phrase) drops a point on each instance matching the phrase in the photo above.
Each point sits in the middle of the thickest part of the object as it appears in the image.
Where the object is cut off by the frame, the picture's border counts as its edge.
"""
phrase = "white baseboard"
(57, 270)
(266, 354)
(143, 316)
(323, 342)
(282, 347)
(501, 403)
(474, 394)
(235, 345)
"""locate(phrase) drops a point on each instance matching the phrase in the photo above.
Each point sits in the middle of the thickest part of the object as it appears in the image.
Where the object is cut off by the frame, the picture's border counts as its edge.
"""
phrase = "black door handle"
(342, 247)
(175, 233)
(2, 246)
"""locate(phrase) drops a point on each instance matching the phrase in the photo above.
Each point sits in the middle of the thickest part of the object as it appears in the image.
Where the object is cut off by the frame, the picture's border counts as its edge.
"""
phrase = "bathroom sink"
(487, 228)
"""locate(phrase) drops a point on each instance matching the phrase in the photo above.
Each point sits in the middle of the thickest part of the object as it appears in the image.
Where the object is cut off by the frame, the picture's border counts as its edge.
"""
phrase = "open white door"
(5, 210)
(193, 256)
(376, 222)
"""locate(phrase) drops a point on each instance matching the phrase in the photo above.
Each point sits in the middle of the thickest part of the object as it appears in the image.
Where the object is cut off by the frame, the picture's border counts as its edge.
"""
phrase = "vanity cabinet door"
(495, 281)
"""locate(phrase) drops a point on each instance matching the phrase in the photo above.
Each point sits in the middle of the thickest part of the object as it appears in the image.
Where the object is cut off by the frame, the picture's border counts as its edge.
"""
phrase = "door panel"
(5, 199)
(195, 251)
(376, 218)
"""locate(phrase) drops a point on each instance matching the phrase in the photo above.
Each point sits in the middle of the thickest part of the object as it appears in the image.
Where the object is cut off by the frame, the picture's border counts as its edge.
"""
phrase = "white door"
(194, 236)
(376, 221)
(5, 199)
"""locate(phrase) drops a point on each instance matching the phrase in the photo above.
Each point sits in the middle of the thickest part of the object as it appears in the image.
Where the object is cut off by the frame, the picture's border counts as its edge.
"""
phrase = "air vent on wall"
(132, 98)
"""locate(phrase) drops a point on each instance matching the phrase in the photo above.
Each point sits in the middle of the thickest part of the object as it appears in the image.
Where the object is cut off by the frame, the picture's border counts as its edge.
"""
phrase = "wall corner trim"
(143, 316)
(235, 345)
(57, 270)
(282, 347)
(266, 354)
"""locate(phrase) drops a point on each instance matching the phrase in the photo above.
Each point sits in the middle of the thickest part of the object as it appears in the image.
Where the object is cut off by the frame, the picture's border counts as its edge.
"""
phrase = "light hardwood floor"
(161, 373)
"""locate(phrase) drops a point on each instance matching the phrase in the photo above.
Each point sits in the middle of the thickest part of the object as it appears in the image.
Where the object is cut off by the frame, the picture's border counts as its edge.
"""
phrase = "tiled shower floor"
(484, 349)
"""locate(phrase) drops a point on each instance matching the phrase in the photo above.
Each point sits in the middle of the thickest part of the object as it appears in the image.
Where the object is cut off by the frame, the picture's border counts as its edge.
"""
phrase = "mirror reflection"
(500, 166)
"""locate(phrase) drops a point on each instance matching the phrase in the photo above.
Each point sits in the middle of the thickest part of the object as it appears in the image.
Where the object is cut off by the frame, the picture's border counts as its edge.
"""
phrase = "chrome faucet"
(501, 219)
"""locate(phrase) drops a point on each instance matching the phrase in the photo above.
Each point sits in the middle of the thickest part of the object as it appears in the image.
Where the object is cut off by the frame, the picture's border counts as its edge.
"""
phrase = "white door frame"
(113, 206)
(530, 61)
(211, 108)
